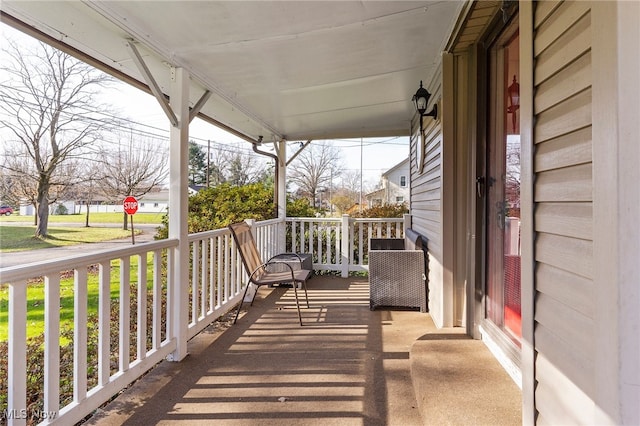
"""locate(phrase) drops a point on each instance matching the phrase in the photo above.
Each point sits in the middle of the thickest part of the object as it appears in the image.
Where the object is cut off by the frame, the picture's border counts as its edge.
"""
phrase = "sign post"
(130, 205)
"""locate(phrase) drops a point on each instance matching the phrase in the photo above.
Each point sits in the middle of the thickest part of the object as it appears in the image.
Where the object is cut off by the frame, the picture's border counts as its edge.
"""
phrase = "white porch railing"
(339, 244)
(134, 336)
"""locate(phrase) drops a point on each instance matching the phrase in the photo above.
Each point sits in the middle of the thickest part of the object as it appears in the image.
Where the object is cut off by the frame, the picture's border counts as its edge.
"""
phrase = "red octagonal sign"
(130, 205)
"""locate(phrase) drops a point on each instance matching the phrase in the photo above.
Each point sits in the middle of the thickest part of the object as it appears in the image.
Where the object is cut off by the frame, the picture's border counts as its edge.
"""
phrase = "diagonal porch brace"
(155, 89)
(198, 106)
(298, 152)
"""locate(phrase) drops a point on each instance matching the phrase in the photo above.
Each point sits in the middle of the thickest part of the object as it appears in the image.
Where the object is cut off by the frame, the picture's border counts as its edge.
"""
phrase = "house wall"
(580, 353)
(563, 220)
(625, 157)
(426, 205)
(584, 123)
(393, 188)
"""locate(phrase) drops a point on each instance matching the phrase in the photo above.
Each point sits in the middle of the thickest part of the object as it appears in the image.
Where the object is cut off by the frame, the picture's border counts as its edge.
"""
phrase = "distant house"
(152, 202)
(194, 189)
(393, 188)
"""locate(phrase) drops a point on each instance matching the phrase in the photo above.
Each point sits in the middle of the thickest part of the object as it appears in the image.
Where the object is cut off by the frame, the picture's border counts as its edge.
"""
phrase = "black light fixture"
(513, 92)
(421, 99)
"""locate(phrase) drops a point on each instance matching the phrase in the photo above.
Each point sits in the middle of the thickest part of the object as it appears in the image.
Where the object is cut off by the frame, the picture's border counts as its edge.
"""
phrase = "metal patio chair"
(260, 272)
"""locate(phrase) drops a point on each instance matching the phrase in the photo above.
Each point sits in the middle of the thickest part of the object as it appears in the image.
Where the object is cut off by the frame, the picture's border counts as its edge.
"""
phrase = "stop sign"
(130, 205)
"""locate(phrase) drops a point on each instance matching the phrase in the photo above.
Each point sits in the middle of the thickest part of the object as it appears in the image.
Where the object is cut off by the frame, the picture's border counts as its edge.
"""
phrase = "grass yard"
(94, 218)
(20, 238)
(35, 297)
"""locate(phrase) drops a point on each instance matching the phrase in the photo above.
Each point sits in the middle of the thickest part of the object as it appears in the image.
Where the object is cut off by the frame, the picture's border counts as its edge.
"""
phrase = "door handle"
(480, 186)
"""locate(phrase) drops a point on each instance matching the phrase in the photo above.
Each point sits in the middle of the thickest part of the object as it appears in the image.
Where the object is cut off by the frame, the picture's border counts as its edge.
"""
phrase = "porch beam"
(198, 106)
(151, 82)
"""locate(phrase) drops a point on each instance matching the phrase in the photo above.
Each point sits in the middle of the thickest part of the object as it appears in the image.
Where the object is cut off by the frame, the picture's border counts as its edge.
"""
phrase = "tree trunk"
(125, 224)
(43, 211)
(86, 220)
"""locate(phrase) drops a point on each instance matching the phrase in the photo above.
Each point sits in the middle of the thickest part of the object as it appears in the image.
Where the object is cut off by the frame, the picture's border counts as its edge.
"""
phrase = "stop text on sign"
(130, 205)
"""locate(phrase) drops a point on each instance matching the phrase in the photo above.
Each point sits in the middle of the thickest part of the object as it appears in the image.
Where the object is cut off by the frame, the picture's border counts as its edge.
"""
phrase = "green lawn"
(35, 298)
(155, 218)
(20, 238)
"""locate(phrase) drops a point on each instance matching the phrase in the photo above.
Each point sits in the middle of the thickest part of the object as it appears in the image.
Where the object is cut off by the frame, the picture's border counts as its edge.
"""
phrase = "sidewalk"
(30, 256)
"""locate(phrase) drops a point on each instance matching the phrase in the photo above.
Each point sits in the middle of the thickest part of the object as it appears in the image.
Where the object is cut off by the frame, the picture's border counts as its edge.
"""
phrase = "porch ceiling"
(292, 70)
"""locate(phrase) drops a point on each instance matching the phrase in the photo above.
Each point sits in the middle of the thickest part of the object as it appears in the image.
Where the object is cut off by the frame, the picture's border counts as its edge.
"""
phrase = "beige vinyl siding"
(563, 195)
(426, 186)
(426, 201)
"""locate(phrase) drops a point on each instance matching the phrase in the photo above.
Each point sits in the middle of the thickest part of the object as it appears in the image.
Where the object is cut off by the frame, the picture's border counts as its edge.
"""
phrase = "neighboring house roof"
(397, 166)
(155, 196)
(400, 165)
(376, 192)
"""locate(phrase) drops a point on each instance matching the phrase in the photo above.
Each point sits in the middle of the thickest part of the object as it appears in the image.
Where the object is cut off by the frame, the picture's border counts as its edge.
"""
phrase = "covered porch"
(264, 83)
(347, 365)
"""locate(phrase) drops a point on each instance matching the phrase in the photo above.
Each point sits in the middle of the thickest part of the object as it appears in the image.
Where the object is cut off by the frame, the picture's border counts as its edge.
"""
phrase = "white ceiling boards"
(295, 70)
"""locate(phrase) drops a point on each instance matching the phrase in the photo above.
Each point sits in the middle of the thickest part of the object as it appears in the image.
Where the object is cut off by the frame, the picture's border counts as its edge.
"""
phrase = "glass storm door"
(503, 187)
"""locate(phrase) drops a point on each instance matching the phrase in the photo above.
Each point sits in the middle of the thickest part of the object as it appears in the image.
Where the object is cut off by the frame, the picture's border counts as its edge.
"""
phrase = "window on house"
(155, 204)
(399, 200)
(141, 204)
(403, 181)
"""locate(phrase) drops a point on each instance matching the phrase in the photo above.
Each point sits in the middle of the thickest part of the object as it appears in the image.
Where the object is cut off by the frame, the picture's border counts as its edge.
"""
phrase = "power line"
(112, 137)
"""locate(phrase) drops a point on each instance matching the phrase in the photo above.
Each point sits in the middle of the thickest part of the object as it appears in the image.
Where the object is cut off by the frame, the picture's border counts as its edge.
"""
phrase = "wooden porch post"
(178, 209)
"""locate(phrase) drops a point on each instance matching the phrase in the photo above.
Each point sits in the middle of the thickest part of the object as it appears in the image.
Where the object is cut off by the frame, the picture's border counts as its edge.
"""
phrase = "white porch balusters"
(17, 398)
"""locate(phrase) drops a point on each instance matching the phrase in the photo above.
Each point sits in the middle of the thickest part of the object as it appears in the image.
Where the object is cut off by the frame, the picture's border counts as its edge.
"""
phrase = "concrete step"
(457, 381)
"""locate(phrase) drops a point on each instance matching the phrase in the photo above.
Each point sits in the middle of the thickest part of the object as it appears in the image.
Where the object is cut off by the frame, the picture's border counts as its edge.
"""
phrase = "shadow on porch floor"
(346, 366)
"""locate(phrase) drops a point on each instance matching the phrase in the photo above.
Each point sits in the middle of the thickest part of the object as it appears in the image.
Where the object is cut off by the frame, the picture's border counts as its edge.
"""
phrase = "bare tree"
(217, 166)
(512, 177)
(315, 167)
(134, 168)
(243, 168)
(351, 187)
(49, 110)
(20, 178)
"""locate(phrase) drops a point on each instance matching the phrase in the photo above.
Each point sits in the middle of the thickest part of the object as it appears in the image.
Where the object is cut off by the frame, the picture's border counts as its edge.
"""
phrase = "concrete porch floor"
(346, 366)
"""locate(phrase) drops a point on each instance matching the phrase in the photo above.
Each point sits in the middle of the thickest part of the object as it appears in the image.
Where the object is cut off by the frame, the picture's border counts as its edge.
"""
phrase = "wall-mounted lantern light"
(513, 92)
(421, 99)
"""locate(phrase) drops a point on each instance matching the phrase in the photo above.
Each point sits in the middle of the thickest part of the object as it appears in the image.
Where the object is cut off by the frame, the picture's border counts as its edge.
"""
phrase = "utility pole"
(208, 159)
